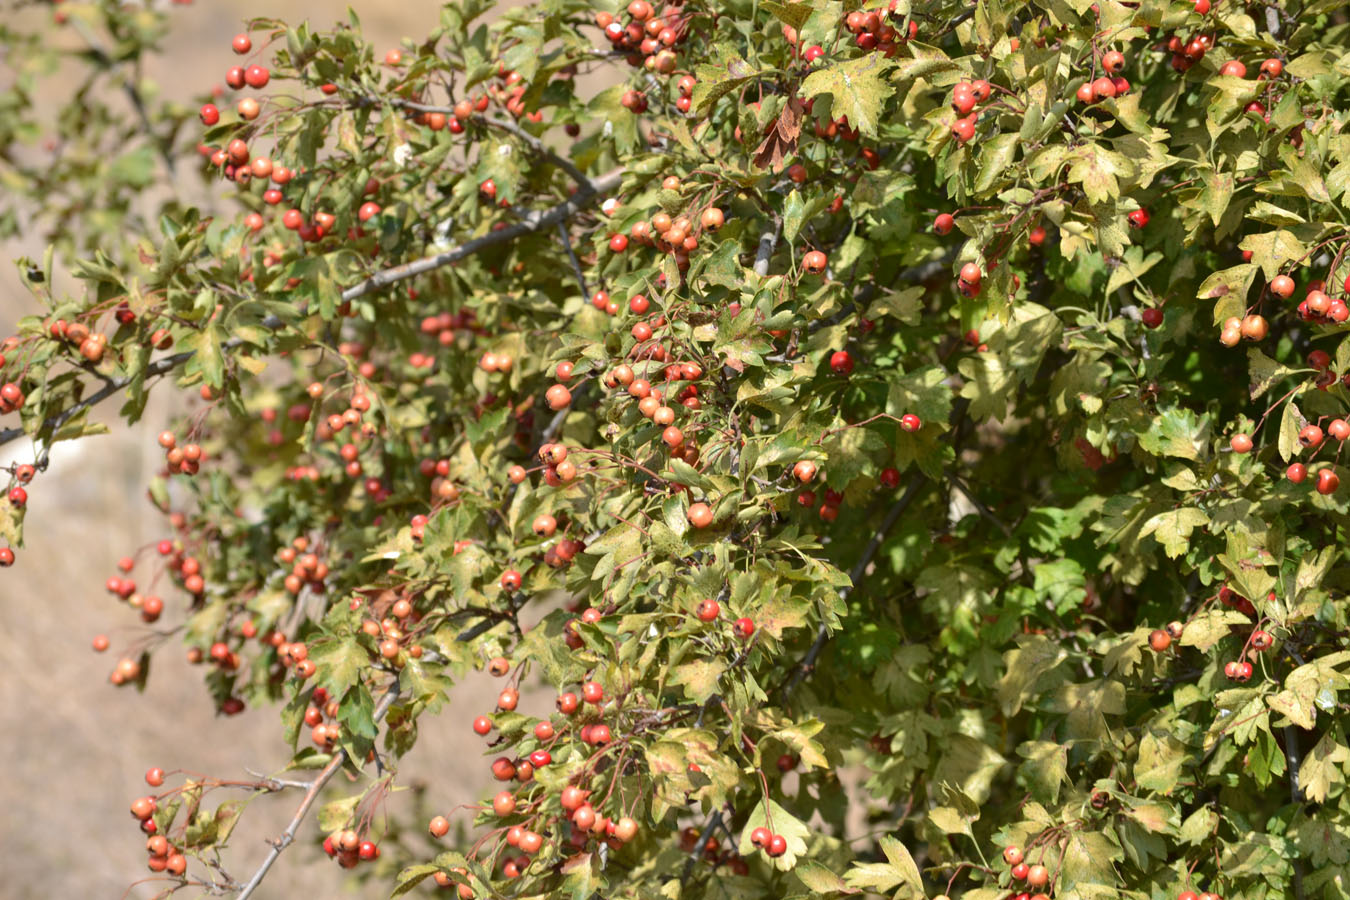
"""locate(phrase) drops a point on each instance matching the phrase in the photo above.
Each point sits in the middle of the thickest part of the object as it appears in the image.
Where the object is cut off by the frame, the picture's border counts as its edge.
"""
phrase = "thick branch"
(768, 241)
(535, 221)
(315, 788)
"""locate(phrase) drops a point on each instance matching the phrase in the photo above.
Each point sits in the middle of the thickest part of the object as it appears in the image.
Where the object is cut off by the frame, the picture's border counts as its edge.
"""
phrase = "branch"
(713, 821)
(105, 61)
(576, 263)
(532, 222)
(535, 221)
(914, 274)
(316, 786)
(1291, 751)
(855, 576)
(110, 387)
(983, 510)
(768, 241)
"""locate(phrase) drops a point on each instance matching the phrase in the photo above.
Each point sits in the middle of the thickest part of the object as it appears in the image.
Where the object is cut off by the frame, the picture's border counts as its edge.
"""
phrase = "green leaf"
(1045, 768)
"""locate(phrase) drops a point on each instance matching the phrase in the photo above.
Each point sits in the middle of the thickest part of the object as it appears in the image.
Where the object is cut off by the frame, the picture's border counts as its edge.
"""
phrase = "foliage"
(967, 534)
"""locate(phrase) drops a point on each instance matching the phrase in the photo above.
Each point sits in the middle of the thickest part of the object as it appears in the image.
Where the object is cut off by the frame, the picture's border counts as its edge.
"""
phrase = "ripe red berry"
(890, 478)
(745, 627)
(1296, 472)
(1151, 317)
(708, 610)
(943, 223)
(618, 243)
(777, 846)
(1241, 443)
(482, 725)
(209, 114)
(1327, 481)
(841, 362)
(241, 43)
(814, 262)
(1139, 218)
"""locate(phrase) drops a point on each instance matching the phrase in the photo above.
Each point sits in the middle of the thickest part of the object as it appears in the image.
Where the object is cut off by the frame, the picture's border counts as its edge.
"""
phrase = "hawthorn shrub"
(843, 412)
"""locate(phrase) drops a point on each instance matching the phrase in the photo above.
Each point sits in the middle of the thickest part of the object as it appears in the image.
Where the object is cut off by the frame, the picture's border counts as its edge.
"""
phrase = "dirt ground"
(77, 748)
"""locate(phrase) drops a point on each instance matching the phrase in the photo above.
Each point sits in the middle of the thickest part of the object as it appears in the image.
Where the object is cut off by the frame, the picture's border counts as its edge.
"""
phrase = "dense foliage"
(841, 408)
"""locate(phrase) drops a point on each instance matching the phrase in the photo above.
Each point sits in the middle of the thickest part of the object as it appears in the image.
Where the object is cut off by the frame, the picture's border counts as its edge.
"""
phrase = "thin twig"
(315, 788)
(576, 263)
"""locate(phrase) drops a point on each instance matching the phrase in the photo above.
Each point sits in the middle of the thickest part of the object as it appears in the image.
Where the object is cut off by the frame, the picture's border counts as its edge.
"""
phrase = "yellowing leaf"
(856, 87)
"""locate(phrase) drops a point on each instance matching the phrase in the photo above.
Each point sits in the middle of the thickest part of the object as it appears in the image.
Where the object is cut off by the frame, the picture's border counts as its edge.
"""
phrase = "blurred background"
(78, 748)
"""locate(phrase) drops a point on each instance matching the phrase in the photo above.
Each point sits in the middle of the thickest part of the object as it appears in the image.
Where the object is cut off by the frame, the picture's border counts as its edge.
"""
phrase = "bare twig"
(855, 577)
(315, 788)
